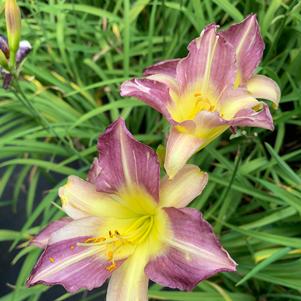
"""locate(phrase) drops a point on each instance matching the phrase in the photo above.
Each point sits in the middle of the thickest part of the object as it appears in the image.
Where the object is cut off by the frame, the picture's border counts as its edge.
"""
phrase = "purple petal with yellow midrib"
(184, 270)
(53, 268)
(152, 92)
(248, 43)
(168, 67)
(210, 65)
(248, 117)
(125, 161)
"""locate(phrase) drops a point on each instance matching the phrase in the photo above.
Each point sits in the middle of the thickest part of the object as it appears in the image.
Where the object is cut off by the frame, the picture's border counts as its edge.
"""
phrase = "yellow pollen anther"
(51, 259)
(197, 94)
(95, 240)
(112, 267)
(90, 240)
(110, 255)
(258, 107)
(72, 247)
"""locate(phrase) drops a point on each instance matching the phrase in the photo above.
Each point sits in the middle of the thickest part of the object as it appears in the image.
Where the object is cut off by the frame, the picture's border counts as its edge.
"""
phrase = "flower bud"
(3, 60)
(13, 27)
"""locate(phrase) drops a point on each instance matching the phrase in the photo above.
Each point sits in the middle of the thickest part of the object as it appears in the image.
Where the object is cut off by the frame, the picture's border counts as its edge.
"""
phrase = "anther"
(117, 233)
(111, 234)
(110, 255)
(196, 94)
(112, 267)
(72, 247)
(90, 240)
(51, 259)
(95, 240)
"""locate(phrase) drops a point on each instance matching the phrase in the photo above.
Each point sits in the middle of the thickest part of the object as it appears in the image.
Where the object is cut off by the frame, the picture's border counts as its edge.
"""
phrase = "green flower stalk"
(13, 27)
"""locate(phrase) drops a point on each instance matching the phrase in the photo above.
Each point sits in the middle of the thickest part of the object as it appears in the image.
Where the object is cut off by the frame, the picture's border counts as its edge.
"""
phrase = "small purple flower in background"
(12, 50)
(126, 224)
(210, 90)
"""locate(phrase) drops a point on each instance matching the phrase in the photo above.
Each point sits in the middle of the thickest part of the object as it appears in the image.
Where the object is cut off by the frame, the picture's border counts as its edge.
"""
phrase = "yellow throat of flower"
(187, 106)
(147, 228)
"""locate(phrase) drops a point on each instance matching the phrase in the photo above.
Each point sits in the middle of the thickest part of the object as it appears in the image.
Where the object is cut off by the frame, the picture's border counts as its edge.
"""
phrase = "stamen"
(51, 259)
(110, 255)
(95, 239)
(258, 107)
(72, 247)
(196, 94)
(112, 267)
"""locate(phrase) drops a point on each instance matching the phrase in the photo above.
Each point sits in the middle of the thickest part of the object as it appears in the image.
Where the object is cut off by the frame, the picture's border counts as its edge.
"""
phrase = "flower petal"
(210, 65)
(249, 46)
(261, 86)
(151, 91)
(23, 51)
(180, 147)
(249, 117)
(183, 188)
(41, 240)
(235, 100)
(75, 267)
(194, 252)
(94, 171)
(87, 226)
(80, 199)
(124, 162)
(129, 282)
(167, 67)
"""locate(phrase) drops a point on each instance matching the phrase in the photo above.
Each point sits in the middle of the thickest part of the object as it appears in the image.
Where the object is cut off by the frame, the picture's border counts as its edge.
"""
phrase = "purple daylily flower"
(212, 89)
(126, 224)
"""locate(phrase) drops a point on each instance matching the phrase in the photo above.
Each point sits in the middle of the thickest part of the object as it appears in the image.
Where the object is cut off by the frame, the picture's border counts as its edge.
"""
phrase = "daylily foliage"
(127, 224)
(210, 90)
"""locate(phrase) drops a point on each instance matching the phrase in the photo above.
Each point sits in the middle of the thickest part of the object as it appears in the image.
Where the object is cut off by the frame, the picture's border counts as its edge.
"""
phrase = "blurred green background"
(82, 51)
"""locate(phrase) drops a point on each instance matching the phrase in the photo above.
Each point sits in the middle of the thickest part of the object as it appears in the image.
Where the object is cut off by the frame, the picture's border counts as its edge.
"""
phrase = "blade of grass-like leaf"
(197, 296)
(44, 164)
(284, 167)
(277, 255)
(229, 9)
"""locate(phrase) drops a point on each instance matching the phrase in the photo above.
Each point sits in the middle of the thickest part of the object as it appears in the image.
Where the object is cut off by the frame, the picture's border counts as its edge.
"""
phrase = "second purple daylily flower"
(126, 224)
(210, 90)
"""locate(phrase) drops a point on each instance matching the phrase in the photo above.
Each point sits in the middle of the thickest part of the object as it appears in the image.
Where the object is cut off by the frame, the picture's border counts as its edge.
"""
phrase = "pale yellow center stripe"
(124, 161)
(66, 262)
(243, 39)
(191, 250)
(210, 56)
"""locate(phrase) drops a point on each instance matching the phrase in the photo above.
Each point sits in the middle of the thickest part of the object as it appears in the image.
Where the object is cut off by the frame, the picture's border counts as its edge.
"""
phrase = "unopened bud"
(13, 27)
(3, 60)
